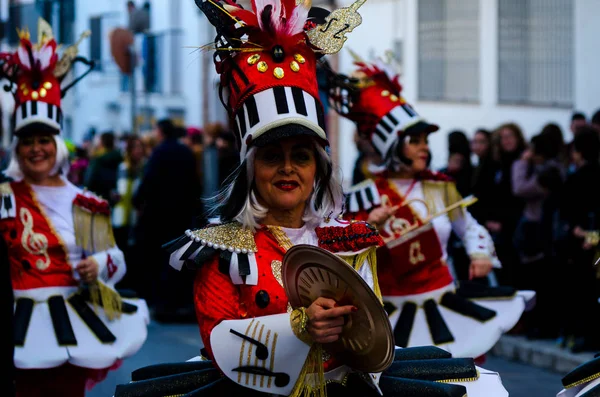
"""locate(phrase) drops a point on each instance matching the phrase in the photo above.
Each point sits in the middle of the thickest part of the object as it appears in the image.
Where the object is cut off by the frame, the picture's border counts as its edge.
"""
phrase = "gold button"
(299, 58)
(393, 98)
(262, 66)
(47, 85)
(25, 91)
(385, 93)
(278, 72)
(35, 95)
(252, 59)
(294, 66)
(43, 92)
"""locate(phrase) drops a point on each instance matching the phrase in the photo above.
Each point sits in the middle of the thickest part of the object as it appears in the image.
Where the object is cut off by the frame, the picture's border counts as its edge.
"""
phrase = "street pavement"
(179, 342)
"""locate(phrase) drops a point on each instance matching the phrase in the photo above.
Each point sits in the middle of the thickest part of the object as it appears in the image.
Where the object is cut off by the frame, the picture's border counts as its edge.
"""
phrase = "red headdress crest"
(372, 98)
(35, 74)
(267, 59)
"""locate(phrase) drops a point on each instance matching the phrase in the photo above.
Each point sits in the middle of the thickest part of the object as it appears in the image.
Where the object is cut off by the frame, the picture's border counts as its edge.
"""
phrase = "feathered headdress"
(266, 57)
(35, 73)
(372, 98)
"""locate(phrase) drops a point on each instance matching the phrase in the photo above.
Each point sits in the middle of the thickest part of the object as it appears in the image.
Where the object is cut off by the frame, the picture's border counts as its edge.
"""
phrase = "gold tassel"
(357, 261)
(106, 297)
(311, 381)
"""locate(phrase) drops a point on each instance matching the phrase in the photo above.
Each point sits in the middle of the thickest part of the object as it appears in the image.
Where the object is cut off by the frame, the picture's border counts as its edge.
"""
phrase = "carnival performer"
(71, 326)
(415, 211)
(283, 194)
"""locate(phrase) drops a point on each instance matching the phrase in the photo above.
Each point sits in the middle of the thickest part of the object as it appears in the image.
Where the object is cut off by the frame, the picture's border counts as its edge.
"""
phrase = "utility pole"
(132, 87)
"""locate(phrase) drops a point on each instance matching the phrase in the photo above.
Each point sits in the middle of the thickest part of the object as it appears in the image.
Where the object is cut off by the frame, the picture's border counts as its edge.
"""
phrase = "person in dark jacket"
(101, 175)
(580, 214)
(168, 200)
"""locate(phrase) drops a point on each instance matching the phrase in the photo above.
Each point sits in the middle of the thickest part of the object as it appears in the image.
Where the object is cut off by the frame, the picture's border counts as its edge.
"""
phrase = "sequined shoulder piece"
(362, 196)
(231, 236)
(7, 201)
(233, 243)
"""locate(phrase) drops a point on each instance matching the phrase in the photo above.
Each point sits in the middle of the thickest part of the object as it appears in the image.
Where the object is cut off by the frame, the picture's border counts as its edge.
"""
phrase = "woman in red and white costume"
(71, 326)
(422, 299)
(284, 193)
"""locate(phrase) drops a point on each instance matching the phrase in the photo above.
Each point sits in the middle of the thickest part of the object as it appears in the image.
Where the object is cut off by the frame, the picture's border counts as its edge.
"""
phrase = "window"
(100, 27)
(96, 41)
(448, 50)
(59, 13)
(535, 52)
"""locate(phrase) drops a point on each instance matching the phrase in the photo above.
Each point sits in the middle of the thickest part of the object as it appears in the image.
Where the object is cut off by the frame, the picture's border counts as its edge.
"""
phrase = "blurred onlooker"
(556, 141)
(459, 165)
(460, 169)
(124, 215)
(580, 212)
(168, 201)
(508, 144)
(595, 120)
(537, 176)
(482, 185)
(79, 166)
(229, 156)
(194, 139)
(210, 169)
(367, 156)
(149, 140)
(577, 120)
(101, 175)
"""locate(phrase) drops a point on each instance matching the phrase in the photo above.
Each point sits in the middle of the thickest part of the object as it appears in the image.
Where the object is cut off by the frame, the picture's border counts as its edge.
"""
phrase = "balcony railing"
(160, 55)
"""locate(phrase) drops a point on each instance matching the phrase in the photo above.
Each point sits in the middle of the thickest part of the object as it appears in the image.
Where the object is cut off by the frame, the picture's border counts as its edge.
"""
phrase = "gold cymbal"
(367, 342)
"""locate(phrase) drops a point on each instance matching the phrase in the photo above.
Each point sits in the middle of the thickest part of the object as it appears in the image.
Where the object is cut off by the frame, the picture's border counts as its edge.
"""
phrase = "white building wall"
(93, 95)
(384, 21)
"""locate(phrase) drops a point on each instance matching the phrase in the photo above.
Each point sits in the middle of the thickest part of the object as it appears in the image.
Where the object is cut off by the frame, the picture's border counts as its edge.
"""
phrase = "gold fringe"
(110, 299)
(82, 222)
(311, 381)
(449, 194)
(93, 232)
(102, 233)
(357, 261)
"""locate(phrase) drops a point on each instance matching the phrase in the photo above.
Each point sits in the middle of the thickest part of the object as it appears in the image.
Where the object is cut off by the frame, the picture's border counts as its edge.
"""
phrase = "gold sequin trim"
(231, 236)
(276, 269)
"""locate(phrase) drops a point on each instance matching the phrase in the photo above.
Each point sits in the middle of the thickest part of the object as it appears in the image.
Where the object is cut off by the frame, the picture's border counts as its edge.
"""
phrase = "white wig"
(61, 166)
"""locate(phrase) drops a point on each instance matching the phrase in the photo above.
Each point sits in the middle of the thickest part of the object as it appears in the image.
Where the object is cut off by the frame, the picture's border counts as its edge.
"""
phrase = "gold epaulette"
(5, 189)
(230, 236)
(7, 201)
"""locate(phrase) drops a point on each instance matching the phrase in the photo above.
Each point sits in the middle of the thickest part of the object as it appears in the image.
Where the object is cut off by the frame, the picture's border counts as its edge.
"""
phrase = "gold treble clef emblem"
(330, 36)
(32, 242)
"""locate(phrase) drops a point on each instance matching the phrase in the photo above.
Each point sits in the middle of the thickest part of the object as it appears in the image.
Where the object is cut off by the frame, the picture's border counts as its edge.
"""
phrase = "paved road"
(171, 343)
